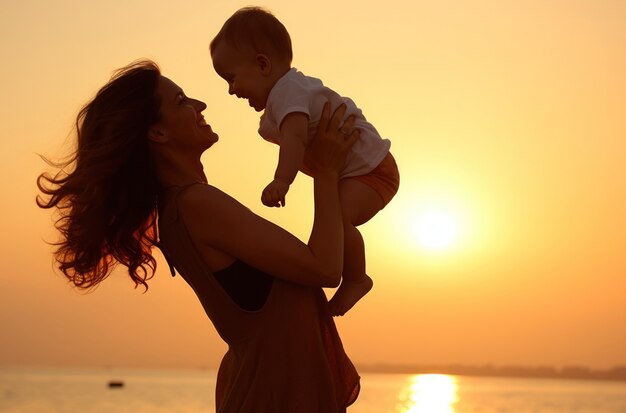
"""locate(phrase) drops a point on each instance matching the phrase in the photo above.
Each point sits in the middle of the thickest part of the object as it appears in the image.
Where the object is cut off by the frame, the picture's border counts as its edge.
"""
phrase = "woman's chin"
(213, 139)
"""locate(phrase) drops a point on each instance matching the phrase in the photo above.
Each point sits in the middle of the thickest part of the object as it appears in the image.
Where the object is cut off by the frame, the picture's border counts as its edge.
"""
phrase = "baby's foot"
(348, 294)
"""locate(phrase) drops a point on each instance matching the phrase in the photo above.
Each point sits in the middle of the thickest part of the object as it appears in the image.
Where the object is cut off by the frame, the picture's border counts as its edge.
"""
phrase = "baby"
(252, 52)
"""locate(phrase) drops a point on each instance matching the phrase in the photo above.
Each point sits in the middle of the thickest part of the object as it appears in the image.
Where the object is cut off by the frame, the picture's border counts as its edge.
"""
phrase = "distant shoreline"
(617, 373)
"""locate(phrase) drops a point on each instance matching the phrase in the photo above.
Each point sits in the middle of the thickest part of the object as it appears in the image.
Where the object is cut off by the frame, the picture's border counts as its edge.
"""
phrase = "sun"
(435, 230)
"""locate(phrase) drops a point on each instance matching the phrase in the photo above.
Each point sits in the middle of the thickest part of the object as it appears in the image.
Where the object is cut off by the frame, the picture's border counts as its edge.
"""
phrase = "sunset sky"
(507, 121)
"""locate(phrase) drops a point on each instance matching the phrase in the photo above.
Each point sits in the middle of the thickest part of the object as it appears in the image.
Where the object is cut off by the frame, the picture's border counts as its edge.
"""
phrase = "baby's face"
(243, 73)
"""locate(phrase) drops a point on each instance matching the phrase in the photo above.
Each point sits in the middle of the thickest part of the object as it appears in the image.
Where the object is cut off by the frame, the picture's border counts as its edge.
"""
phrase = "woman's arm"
(219, 221)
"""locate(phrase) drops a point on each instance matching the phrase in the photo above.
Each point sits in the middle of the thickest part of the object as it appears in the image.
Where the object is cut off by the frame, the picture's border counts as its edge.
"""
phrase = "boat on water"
(116, 384)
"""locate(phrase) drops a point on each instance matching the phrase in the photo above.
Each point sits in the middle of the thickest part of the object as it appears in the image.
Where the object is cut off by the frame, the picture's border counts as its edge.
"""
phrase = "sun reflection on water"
(428, 393)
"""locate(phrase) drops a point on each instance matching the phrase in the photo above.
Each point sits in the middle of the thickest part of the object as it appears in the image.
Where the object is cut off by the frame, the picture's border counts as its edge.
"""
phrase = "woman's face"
(182, 124)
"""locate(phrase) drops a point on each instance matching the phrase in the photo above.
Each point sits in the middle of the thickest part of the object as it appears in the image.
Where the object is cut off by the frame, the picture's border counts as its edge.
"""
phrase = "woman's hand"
(331, 144)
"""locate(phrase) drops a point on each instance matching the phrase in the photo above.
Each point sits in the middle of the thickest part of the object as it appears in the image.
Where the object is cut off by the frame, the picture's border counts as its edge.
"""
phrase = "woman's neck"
(173, 171)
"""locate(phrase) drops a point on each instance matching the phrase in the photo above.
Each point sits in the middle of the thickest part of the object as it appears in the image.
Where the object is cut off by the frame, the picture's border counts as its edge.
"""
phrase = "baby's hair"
(257, 28)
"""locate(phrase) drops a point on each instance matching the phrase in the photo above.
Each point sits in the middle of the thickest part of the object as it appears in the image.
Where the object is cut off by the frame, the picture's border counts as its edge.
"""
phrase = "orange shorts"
(384, 179)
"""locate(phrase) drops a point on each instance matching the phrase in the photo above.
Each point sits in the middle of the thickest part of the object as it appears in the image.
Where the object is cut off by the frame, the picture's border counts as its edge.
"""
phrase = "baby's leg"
(359, 204)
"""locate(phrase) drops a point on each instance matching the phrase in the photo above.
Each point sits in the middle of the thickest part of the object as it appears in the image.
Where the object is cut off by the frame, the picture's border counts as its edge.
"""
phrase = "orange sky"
(505, 115)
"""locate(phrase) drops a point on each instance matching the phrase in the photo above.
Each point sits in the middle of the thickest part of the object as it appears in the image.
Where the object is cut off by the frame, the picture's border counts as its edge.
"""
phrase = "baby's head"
(254, 29)
(251, 52)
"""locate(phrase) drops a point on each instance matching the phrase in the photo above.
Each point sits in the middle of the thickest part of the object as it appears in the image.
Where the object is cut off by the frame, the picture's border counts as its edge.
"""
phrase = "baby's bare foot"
(348, 294)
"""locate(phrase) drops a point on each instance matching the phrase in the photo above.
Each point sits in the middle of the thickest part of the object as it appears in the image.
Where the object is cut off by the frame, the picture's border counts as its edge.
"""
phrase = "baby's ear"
(264, 63)
(156, 134)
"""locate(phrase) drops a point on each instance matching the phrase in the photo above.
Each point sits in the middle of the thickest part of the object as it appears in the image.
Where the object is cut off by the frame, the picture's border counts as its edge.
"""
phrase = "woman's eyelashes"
(181, 98)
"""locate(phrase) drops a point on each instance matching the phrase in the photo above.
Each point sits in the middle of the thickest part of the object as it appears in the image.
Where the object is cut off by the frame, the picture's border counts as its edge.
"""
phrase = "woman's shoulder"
(205, 201)
(202, 194)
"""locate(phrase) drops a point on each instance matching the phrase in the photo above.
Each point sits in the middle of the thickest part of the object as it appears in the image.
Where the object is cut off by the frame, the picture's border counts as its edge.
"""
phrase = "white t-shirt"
(295, 92)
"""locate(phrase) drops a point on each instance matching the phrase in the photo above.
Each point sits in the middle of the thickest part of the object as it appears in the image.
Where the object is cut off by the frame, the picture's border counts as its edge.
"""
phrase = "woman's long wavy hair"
(106, 193)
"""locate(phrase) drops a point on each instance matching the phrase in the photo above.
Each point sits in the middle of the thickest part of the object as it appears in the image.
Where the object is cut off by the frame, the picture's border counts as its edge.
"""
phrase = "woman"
(136, 181)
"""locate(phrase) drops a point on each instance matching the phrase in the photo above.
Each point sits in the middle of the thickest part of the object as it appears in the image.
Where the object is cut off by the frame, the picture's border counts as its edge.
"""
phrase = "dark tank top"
(247, 286)
(284, 357)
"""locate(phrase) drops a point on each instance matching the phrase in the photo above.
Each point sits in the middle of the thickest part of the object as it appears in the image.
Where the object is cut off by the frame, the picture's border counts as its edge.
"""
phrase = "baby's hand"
(274, 193)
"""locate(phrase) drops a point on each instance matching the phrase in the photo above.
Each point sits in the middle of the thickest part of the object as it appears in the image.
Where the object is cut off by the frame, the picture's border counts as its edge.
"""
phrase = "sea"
(116, 390)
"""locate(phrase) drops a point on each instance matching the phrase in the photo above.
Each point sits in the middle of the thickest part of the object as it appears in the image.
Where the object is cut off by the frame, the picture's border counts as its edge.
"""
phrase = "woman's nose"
(200, 105)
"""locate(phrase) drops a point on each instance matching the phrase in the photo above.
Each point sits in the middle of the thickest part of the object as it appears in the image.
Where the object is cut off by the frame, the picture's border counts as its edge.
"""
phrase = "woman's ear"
(156, 134)
(264, 64)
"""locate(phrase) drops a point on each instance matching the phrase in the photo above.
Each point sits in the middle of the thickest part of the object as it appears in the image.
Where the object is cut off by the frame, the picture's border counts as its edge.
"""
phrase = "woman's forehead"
(167, 88)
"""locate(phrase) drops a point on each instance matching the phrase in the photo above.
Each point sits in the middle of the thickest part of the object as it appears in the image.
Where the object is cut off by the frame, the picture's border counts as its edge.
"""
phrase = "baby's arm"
(293, 132)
